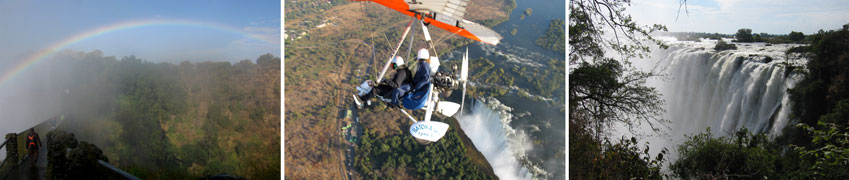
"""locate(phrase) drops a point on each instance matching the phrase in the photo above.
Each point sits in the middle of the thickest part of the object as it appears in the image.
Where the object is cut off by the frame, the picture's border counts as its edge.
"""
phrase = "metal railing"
(114, 169)
(4, 158)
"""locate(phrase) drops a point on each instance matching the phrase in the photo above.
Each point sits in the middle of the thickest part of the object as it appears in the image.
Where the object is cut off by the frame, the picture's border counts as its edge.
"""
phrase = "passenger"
(391, 90)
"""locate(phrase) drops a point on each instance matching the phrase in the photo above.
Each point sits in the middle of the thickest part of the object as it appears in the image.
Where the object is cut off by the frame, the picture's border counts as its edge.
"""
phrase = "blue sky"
(29, 26)
(727, 16)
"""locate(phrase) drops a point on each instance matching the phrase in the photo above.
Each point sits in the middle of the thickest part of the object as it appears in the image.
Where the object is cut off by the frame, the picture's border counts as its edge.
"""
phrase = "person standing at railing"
(33, 143)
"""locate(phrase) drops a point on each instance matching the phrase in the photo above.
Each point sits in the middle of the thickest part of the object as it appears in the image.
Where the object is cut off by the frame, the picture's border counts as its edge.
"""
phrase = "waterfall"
(727, 90)
(488, 126)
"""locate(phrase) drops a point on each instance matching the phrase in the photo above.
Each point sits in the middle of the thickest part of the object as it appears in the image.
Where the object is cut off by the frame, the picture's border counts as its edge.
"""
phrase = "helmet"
(423, 54)
(398, 61)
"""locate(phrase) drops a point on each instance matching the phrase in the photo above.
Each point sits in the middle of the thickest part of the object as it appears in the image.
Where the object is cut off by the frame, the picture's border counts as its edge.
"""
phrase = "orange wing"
(443, 14)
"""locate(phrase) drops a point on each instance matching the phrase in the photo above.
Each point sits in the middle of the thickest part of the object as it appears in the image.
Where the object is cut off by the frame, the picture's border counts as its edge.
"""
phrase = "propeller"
(464, 76)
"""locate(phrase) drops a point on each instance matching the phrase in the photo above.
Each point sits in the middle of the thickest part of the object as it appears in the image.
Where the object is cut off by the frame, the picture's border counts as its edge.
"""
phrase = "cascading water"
(488, 126)
(726, 90)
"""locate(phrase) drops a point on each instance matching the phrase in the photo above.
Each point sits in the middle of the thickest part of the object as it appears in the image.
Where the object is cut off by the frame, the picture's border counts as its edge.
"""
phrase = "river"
(520, 137)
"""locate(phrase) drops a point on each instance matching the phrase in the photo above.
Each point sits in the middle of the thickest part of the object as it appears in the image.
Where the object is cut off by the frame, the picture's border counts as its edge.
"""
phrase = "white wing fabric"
(453, 8)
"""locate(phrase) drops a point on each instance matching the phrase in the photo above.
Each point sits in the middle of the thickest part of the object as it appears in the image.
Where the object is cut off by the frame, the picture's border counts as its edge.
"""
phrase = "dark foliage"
(391, 156)
(604, 91)
(179, 121)
(607, 95)
(722, 46)
(554, 38)
(78, 163)
(741, 156)
(827, 78)
(590, 158)
(816, 148)
(744, 35)
(589, 18)
(796, 36)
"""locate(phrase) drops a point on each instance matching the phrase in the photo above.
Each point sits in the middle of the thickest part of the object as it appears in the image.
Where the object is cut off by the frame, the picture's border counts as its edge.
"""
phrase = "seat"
(416, 99)
(418, 95)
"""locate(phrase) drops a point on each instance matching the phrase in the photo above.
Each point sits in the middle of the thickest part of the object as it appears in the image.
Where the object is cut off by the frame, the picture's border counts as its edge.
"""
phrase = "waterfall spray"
(505, 148)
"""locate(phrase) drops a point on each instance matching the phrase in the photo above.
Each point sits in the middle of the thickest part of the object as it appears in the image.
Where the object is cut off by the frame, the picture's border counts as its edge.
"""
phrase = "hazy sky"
(727, 16)
(30, 26)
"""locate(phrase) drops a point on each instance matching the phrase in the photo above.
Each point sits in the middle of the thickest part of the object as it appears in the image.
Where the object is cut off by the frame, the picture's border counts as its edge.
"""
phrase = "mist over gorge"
(190, 119)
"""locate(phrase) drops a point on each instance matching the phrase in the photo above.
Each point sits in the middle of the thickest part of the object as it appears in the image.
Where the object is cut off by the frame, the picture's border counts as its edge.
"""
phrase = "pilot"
(422, 77)
(392, 89)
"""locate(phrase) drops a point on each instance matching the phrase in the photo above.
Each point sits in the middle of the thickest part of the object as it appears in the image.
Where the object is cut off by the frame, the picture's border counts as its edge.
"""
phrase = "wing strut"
(389, 61)
(408, 115)
(427, 38)
(430, 104)
(464, 76)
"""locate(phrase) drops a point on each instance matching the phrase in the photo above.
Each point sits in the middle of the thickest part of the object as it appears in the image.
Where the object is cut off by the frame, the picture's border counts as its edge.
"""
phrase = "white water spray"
(727, 90)
(505, 148)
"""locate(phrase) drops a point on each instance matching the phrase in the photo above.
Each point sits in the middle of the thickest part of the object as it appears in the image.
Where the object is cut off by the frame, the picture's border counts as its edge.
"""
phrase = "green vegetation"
(402, 157)
(827, 156)
(546, 81)
(626, 100)
(816, 148)
(69, 159)
(296, 9)
(695, 36)
(508, 8)
(722, 46)
(586, 27)
(323, 68)
(554, 38)
(161, 120)
(796, 36)
(604, 91)
(824, 84)
(745, 35)
(743, 155)
(591, 158)
(821, 102)
(486, 72)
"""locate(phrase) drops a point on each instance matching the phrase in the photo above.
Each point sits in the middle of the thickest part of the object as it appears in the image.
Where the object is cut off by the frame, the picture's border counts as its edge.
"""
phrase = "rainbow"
(35, 57)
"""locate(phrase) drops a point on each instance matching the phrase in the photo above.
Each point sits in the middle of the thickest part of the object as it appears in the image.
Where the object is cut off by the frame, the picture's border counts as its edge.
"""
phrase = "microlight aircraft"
(446, 15)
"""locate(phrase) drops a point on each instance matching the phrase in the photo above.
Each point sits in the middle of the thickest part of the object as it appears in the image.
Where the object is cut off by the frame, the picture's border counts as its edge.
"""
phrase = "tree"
(825, 82)
(744, 35)
(828, 153)
(589, 18)
(606, 90)
(592, 158)
(796, 36)
(554, 38)
(821, 104)
(758, 38)
(604, 94)
(722, 45)
(740, 156)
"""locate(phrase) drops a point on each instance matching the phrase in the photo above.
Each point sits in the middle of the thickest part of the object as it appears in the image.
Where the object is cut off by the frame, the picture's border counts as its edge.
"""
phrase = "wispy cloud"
(726, 5)
(267, 30)
(726, 16)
